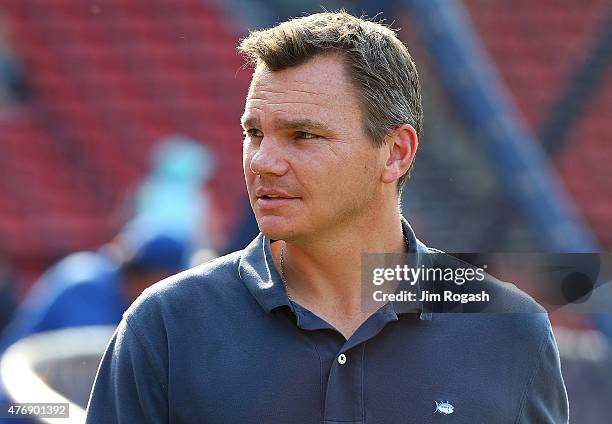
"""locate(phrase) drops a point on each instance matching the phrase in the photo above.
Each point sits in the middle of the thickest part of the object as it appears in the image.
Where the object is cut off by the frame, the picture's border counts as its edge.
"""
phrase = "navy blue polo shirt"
(222, 343)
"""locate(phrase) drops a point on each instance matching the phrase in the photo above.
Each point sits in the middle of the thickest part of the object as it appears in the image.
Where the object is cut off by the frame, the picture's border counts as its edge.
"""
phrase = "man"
(277, 333)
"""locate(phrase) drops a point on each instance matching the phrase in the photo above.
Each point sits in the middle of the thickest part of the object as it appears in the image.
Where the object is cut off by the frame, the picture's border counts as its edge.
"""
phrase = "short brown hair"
(380, 65)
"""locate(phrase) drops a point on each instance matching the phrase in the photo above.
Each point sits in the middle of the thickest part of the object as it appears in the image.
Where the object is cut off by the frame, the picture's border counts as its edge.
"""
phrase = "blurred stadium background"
(516, 155)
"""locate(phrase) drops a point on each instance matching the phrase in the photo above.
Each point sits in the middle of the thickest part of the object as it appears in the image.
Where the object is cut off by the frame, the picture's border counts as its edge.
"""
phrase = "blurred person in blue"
(95, 288)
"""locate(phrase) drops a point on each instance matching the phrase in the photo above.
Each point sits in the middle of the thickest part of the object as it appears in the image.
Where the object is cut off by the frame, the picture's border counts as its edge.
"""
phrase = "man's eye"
(253, 133)
(305, 135)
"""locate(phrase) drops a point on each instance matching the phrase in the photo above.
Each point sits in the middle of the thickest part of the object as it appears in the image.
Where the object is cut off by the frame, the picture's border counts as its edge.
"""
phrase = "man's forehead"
(318, 89)
(321, 75)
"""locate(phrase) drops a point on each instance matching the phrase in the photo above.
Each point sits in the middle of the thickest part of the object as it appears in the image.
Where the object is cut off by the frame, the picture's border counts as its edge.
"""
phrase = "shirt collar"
(258, 272)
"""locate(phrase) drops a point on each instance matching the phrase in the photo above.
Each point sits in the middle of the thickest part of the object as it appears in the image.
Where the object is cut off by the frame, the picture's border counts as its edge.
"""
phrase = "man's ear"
(402, 144)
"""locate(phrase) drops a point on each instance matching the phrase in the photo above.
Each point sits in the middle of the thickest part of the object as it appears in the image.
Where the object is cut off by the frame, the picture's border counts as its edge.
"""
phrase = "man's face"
(308, 164)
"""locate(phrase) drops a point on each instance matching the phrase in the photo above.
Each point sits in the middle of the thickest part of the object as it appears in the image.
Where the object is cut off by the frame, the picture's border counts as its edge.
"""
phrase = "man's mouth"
(270, 196)
(269, 201)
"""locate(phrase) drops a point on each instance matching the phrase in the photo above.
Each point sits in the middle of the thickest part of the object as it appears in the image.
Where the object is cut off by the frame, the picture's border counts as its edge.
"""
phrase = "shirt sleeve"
(545, 400)
(128, 387)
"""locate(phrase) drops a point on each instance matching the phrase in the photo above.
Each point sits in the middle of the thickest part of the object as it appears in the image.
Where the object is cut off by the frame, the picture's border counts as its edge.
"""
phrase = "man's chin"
(275, 228)
(274, 234)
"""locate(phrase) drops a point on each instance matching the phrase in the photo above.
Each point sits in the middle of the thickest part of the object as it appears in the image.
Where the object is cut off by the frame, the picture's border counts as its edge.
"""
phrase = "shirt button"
(342, 359)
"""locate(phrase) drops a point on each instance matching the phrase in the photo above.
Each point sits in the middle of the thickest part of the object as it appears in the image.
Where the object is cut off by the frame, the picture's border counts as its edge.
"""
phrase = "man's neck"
(324, 275)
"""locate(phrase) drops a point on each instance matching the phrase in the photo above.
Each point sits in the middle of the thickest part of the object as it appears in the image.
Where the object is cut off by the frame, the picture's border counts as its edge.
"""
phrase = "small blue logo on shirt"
(444, 408)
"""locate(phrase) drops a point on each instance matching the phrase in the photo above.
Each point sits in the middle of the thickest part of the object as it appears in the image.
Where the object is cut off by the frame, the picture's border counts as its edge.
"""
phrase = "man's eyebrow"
(302, 124)
(248, 121)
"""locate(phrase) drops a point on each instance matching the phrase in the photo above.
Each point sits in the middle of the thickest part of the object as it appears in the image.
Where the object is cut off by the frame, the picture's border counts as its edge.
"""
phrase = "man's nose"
(269, 158)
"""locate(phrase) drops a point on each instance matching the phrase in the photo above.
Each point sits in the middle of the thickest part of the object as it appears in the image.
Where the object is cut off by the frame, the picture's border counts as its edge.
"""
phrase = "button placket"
(344, 397)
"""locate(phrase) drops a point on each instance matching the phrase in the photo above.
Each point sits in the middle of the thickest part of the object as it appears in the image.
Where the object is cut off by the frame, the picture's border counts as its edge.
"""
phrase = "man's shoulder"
(209, 275)
(509, 314)
(503, 297)
(202, 286)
